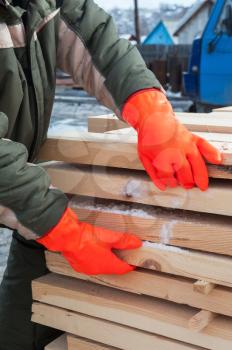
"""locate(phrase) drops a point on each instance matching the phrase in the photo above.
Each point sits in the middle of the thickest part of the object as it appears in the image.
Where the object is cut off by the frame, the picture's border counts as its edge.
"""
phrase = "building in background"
(194, 22)
(159, 36)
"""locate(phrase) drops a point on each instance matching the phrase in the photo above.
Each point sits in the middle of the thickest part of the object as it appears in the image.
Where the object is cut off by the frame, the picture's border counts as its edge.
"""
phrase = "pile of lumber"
(180, 296)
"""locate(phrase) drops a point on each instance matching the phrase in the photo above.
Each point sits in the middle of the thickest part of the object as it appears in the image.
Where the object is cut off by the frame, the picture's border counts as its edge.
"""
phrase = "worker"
(36, 37)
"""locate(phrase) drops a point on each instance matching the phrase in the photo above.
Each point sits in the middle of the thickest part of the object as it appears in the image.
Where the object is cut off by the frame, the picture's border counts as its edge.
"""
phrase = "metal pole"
(137, 22)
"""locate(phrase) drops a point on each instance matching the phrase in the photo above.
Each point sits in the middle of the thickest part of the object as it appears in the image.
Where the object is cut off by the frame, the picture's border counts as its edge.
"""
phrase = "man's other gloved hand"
(171, 155)
(88, 249)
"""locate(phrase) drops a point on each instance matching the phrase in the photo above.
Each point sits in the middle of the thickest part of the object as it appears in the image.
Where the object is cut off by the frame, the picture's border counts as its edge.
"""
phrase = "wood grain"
(203, 287)
(200, 232)
(76, 343)
(119, 336)
(57, 264)
(201, 320)
(210, 122)
(138, 188)
(115, 150)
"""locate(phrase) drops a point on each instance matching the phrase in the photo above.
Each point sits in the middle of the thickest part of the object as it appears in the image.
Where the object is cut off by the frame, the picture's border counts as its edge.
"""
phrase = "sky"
(107, 4)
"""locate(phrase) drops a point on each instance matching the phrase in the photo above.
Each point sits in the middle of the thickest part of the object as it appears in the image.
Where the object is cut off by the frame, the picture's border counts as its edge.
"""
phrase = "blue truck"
(209, 79)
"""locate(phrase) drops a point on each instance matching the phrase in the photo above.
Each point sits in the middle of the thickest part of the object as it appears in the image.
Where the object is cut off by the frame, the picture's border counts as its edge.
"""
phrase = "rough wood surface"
(209, 267)
(201, 320)
(209, 122)
(201, 232)
(138, 188)
(119, 336)
(223, 109)
(140, 312)
(58, 344)
(75, 343)
(163, 286)
(209, 136)
(112, 150)
(203, 287)
(103, 123)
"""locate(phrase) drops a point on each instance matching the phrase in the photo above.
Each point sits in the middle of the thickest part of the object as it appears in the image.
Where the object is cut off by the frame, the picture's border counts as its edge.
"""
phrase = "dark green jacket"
(36, 37)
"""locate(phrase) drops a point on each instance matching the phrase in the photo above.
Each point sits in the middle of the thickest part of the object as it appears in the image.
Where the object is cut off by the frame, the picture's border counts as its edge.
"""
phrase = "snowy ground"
(69, 117)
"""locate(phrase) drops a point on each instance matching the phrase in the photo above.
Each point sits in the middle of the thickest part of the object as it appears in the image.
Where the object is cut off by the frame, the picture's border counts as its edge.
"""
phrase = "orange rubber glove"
(88, 248)
(170, 154)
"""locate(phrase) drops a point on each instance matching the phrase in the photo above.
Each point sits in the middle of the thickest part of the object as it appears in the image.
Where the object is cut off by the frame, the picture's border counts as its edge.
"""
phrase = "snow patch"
(133, 189)
(164, 247)
(176, 203)
(166, 231)
(121, 209)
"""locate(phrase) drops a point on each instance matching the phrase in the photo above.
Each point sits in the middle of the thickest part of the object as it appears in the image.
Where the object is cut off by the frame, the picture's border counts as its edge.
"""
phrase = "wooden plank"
(202, 232)
(113, 151)
(223, 109)
(103, 123)
(203, 287)
(58, 344)
(209, 136)
(172, 288)
(209, 267)
(180, 263)
(137, 311)
(136, 187)
(201, 320)
(76, 343)
(110, 333)
(211, 122)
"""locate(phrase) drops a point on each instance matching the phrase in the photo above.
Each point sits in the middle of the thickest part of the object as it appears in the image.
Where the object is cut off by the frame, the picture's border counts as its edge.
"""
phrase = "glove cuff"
(64, 233)
(141, 104)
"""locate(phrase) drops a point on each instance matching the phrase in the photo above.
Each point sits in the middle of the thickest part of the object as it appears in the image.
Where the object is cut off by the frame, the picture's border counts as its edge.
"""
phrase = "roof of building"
(193, 11)
(159, 35)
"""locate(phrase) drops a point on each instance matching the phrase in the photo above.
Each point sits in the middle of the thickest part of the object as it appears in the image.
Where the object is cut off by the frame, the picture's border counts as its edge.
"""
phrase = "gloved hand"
(88, 248)
(170, 154)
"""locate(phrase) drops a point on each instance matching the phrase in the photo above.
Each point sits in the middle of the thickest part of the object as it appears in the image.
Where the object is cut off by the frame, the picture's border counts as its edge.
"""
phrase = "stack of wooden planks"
(180, 297)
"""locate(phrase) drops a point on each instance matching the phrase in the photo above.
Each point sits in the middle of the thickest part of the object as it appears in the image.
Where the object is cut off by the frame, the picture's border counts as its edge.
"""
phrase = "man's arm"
(29, 205)
(112, 69)
(90, 50)
(26, 201)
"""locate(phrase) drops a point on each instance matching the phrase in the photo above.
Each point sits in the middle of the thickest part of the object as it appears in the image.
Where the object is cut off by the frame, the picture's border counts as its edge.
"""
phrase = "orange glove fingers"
(168, 179)
(127, 241)
(211, 154)
(149, 167)
(184, 175)
(199, 169)
(112, 239)
(104, 262)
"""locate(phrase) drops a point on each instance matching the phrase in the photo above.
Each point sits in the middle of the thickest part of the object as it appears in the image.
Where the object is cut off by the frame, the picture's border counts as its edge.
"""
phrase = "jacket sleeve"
(27, 203)
(90, 51)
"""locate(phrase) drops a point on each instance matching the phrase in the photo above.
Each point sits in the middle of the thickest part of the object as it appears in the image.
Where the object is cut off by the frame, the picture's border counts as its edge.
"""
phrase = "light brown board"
(58, 344)
(136, 187)
(209, 136)
(103, 123)
(176, 289)
(201, 122)
(180, 262)
(223, 109)
(202, 232)
(109, 333)
(140, 312)
(75, 343)
(114, 151)
(189, 264)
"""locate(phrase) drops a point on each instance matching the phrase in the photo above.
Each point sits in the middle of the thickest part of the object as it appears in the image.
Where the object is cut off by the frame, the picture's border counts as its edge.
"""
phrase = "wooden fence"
(168, 63)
